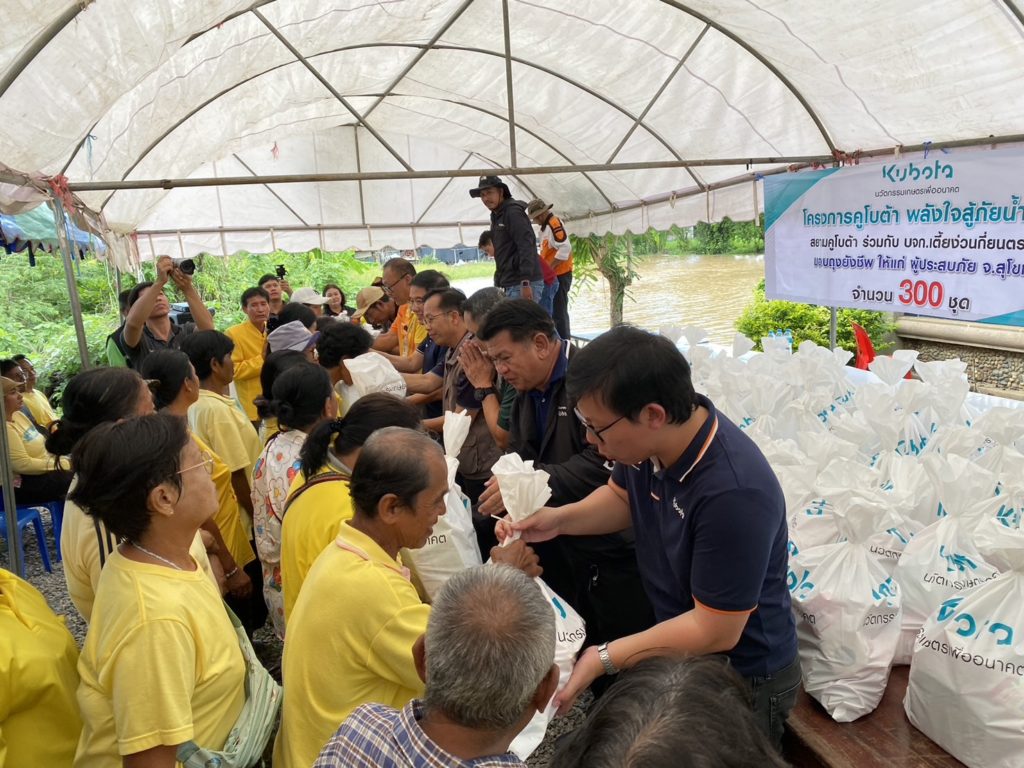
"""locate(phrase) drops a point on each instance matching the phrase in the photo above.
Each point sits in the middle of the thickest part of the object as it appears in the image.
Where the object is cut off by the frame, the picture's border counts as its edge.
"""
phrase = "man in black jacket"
(516, 263)
(598, 575)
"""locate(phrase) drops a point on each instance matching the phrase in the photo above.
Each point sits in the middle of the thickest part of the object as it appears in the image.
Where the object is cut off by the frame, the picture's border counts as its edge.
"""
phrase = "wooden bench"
(883, 738)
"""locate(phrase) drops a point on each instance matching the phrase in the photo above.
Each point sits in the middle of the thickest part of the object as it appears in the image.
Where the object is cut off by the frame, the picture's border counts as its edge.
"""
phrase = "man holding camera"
(148, 325)
(276, 287)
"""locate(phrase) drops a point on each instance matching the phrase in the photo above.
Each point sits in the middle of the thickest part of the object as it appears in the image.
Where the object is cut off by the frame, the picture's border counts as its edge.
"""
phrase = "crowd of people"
(277, 470)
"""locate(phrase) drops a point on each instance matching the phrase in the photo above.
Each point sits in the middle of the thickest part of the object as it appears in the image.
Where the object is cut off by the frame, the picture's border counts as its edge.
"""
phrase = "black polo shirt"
(712, 528)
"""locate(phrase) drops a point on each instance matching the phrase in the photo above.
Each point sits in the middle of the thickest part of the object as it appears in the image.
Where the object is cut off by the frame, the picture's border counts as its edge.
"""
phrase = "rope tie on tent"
(928, 147)
(897, 152)
(275, 151)
(59, 187)
(89, 138)
(847, 158)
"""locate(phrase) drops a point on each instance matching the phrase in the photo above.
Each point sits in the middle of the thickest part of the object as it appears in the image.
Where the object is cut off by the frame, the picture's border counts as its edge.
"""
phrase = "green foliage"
(615, 258)
(36, 320)
(728, 236)
(811, 322)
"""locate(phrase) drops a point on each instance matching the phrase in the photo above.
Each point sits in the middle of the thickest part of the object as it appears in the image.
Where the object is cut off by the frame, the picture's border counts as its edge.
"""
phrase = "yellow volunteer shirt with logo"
(230, 517)
(410, 331)
(39, 721)
(40, 408)
(160, 666)
(309, 525)
(349, 642)
(248, 359)
(86, 544)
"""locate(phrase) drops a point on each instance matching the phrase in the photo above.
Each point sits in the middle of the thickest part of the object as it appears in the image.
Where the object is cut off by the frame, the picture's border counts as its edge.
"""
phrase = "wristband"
(231, 574)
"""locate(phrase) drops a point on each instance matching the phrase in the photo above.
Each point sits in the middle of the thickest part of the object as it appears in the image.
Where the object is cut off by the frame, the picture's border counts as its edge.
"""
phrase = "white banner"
(940, 236)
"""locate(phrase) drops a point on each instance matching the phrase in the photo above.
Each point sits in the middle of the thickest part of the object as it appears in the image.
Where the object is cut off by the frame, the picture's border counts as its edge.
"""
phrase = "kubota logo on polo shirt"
(678, 509)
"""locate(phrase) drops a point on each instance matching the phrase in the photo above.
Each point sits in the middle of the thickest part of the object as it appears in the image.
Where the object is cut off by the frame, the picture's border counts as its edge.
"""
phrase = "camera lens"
(188, 266)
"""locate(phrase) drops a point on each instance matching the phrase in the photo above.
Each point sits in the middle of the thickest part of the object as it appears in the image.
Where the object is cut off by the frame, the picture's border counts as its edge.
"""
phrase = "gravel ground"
(267, 646)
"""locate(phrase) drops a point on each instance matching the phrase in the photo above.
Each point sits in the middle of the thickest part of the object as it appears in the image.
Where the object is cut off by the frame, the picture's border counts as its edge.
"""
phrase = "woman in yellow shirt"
(176, 388)
(39, 721)
(161, 664)
(44, 477)
(91, 398)
(317, 506)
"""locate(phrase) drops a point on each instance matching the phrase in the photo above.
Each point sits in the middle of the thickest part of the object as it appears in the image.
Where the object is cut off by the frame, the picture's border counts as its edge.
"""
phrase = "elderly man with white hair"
(486, 659)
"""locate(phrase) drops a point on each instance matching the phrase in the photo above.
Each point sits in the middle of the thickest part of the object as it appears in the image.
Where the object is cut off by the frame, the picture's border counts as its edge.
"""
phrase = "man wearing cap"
(311, 299)
(516, 264)
(556, 252)
(374, 305)
(295, 336)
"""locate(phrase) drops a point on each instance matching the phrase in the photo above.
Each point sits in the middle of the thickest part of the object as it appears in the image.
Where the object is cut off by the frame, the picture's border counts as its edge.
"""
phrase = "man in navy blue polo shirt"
(708, 514)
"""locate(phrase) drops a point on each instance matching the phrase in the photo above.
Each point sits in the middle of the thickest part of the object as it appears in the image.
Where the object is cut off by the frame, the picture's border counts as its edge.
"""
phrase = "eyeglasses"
(428, 319)
(388, 288)
(594, 431)
(206, 462)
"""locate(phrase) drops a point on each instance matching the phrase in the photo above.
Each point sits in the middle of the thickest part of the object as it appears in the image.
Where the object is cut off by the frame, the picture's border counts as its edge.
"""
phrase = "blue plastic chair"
(27, 515)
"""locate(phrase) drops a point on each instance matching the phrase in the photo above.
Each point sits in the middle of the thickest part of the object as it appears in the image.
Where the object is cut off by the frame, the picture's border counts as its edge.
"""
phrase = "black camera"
(281, 271)
(188, 266)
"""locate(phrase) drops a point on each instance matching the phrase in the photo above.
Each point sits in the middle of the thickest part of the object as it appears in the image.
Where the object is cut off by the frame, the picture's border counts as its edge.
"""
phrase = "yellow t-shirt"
(40, 408)
(230, 517)
(160, 666)
(86, 544)
(27, 448)
(39, 721)
(248, 359)
(309, 525)
(218, 422)
(349, 642)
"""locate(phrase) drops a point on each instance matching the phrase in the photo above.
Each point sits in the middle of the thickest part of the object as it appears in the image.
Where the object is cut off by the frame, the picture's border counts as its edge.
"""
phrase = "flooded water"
(706, 291)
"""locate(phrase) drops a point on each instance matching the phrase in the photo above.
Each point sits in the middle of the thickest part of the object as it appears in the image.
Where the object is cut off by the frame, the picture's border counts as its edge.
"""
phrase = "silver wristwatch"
(606, 659)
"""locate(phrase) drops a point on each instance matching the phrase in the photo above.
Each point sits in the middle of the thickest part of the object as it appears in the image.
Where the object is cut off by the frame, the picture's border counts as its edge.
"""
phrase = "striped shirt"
(375, 736)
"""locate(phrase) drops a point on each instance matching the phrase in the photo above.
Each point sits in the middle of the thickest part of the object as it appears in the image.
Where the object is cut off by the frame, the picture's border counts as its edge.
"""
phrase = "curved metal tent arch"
(361, 46)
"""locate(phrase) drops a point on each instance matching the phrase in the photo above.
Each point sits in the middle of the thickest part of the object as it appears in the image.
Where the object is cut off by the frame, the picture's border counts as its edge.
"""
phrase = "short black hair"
(138, 288)
(430, 280)
(169, 368)
(266, 279)
(119, 463)
(91, 398)
(627, 368)
(122, 300)
(250, 293)
(299, 394)
(367, 414)
(450, 299)
(400, 266)
(522, 318)
(340, 341)
(204, 346)
(274, 365)
(295, 311)
(18, 358)
(667, 707)
(7, 365)
(391, 461)
(485, 239)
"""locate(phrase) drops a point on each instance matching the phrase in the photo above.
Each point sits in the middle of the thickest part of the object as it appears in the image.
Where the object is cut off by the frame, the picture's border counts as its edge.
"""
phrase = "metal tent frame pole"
(10, 504)
(65, 241)
(93, 186)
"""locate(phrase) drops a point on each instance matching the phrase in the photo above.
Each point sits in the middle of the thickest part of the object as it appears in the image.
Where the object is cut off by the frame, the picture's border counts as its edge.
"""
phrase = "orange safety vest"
(553, 230)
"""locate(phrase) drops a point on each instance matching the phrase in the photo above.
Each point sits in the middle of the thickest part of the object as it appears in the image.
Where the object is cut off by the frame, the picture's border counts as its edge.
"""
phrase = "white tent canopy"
(661, 102)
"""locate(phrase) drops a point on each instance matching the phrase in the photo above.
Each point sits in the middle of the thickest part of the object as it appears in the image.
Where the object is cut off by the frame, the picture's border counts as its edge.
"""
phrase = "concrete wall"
(994, 353)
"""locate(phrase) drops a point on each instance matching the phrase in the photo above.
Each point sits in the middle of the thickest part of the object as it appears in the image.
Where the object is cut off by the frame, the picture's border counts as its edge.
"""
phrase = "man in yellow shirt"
(407, 332)
(250, 336)
(351, 634)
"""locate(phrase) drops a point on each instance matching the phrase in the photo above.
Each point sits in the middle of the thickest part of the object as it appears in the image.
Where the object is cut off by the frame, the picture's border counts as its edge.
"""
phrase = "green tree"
(614, 257)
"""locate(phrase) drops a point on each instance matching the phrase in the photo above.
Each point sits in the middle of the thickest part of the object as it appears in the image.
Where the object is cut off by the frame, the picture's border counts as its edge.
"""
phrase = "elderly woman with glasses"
(161, 664)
